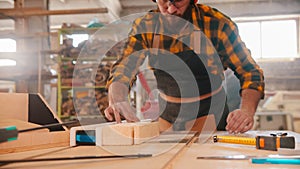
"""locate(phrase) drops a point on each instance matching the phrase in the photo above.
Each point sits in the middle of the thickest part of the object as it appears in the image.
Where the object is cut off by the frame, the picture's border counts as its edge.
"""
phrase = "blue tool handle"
(293, 161)
(8, 134)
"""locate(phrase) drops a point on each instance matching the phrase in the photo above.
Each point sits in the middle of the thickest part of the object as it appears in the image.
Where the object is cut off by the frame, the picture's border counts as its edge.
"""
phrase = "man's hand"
(119, 104)
(242, 120)
(115, 110)
(239, 121)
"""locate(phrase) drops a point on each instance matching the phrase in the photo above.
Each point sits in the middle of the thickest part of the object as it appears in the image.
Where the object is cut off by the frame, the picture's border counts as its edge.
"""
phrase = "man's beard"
(175, 23)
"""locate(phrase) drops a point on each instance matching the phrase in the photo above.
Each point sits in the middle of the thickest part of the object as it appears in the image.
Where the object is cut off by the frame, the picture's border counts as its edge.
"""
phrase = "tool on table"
(235, 140)
(3, 162)
(273, 142)
(10, 133)
(226, 157)
(295, 160)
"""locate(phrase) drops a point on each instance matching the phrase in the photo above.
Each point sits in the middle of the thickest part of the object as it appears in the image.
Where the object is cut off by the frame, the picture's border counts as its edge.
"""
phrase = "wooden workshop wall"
(29, 47)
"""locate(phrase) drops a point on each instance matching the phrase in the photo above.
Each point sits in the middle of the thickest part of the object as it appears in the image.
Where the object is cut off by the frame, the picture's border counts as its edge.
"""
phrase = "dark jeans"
(179, 113)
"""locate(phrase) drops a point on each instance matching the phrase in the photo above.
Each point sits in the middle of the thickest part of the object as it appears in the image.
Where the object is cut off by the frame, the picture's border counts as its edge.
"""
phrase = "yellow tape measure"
(261, 142)
(235, 140)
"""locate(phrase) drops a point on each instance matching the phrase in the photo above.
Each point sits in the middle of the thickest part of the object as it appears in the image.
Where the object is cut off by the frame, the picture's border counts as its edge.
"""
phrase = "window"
(7, 62)
(279, 39)
(249, 33)
(8, 45)
(77, 38)
(270, 39)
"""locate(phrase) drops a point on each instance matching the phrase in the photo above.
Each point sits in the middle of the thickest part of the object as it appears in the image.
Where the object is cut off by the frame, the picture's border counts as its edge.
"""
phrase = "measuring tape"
(235, 140)
(261, 142)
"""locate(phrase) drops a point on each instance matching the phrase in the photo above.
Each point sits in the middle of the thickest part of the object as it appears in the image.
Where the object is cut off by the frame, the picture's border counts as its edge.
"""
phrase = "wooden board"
(19, 124)
(129, 133)
(28, 107)
(186, 160)
(14, 106)
(155, 162)
(189, 159)
(145, 131)
(37, 139)
(118, 134)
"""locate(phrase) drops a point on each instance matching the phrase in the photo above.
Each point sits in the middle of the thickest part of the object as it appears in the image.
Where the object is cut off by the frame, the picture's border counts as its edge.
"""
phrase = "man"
(192, 58)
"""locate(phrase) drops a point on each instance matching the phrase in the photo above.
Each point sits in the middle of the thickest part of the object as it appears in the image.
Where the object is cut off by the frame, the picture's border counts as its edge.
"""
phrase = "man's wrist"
(248, 111)
(118, 92)
(250, 99)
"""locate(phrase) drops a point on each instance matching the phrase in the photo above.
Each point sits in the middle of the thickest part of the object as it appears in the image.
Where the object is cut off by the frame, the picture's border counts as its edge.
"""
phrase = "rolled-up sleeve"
(237, 57)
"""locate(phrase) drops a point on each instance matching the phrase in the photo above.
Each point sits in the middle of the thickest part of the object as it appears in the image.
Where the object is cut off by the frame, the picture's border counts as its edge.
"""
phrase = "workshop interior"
(56, 58)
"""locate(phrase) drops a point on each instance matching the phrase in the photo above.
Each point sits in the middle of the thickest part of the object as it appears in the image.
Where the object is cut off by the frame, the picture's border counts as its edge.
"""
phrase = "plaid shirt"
(218, 28)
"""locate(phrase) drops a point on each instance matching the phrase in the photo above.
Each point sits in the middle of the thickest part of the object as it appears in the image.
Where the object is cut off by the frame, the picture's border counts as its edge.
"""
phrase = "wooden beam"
(14, 35)
(25, 12)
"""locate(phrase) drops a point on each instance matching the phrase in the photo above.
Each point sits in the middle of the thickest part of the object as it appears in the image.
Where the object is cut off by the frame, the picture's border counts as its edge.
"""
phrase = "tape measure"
(235, 140)
(261, 142)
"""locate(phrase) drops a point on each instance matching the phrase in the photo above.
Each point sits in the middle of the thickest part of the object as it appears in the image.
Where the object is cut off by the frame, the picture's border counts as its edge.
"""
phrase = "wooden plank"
(24, 12)
(12, 34)
(185, 160)
(144, 132)
(20, 124)
(36, 140)
(181, 152)
(118, 134)
(209, 148)
(157, 161)
(189, 159)
(129, 133)
(14, 106)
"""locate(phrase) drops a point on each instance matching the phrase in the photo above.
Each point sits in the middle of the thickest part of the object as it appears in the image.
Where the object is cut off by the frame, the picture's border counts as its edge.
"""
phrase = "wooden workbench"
(165, 155)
